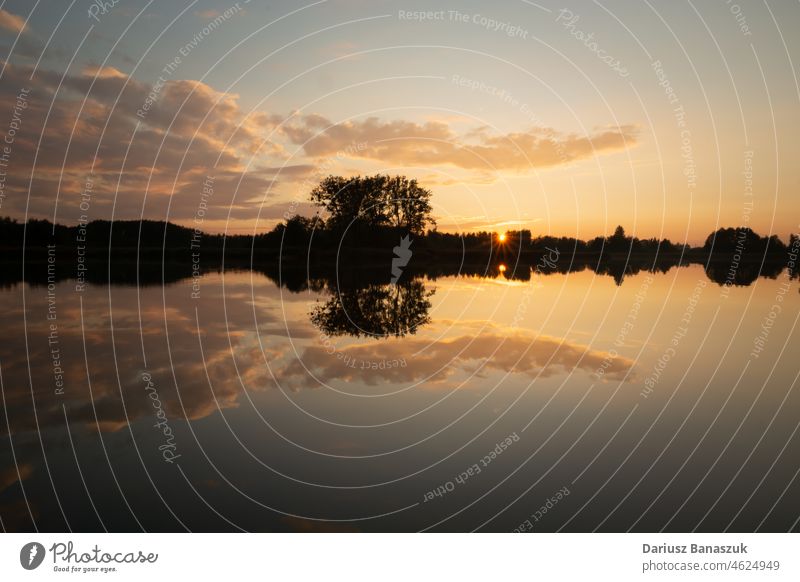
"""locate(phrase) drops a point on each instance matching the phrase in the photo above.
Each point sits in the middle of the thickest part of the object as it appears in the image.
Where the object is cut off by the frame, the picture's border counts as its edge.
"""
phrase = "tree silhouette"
(375, 310)
(374, 201)
(618, 241)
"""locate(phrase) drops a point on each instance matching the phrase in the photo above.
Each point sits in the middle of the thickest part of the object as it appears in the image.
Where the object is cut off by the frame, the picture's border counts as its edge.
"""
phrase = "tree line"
(370, 213)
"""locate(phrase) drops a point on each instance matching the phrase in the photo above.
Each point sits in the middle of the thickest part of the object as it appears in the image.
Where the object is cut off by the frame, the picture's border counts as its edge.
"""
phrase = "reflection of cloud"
(207, 381)
(113, 402)
(409, 143)
(229, 345)
(502, 350)
(9, 475)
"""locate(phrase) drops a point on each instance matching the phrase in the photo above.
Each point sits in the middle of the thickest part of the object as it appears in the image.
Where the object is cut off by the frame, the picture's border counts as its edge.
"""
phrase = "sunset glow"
(400, 266)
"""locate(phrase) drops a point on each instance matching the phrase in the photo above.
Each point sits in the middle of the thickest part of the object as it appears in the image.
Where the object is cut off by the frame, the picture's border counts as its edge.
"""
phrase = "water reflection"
(297, 274)
(444, 363)
(334, 397)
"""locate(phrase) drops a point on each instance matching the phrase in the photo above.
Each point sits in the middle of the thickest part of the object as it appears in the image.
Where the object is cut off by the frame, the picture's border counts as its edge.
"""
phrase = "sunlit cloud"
(482, 223)
(207, 14)
(11, 22)
(142, 146)
(147, 149)
(436, 144)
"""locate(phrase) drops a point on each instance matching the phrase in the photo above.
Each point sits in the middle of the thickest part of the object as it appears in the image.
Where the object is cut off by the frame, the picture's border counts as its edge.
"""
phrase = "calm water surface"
(668, 402)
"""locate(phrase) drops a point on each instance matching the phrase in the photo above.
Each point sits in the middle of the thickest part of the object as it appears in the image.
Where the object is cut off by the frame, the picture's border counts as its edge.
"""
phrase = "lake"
(564, 402)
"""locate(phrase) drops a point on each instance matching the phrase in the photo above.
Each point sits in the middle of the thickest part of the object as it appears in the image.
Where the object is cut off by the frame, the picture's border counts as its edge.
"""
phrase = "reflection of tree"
(616, 269)
(375, 310)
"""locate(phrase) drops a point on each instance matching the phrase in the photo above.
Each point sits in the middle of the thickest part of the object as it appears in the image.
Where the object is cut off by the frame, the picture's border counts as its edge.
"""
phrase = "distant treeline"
(312, 235)
(303, 252)
(365, 220)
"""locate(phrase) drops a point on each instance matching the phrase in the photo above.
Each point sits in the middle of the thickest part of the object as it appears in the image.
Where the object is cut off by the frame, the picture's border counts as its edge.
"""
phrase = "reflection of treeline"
(133, 251)
(375, 310)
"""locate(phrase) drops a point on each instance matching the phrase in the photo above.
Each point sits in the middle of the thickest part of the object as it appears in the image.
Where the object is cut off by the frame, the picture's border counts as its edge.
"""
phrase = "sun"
(501, 237)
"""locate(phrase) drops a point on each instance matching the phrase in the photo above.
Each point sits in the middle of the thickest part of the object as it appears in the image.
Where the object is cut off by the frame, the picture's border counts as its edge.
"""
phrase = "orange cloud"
(434, 143)
(207, 14)
(147, 145)
(103, 72)
(11, 22)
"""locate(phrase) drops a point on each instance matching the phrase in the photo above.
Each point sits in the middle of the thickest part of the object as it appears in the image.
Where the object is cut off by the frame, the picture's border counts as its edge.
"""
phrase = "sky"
(567, 118)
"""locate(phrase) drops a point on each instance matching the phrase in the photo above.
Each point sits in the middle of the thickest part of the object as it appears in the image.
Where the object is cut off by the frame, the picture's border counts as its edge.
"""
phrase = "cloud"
(10, 475)
(435, 143)
(145, 145)
(103, 72)
(11, 22)
(457, 223)
(147, 148)
(207, 14)
(26, 44)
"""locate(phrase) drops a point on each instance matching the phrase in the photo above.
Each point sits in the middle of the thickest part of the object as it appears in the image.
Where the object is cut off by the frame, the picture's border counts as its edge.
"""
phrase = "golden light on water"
(502, 268)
